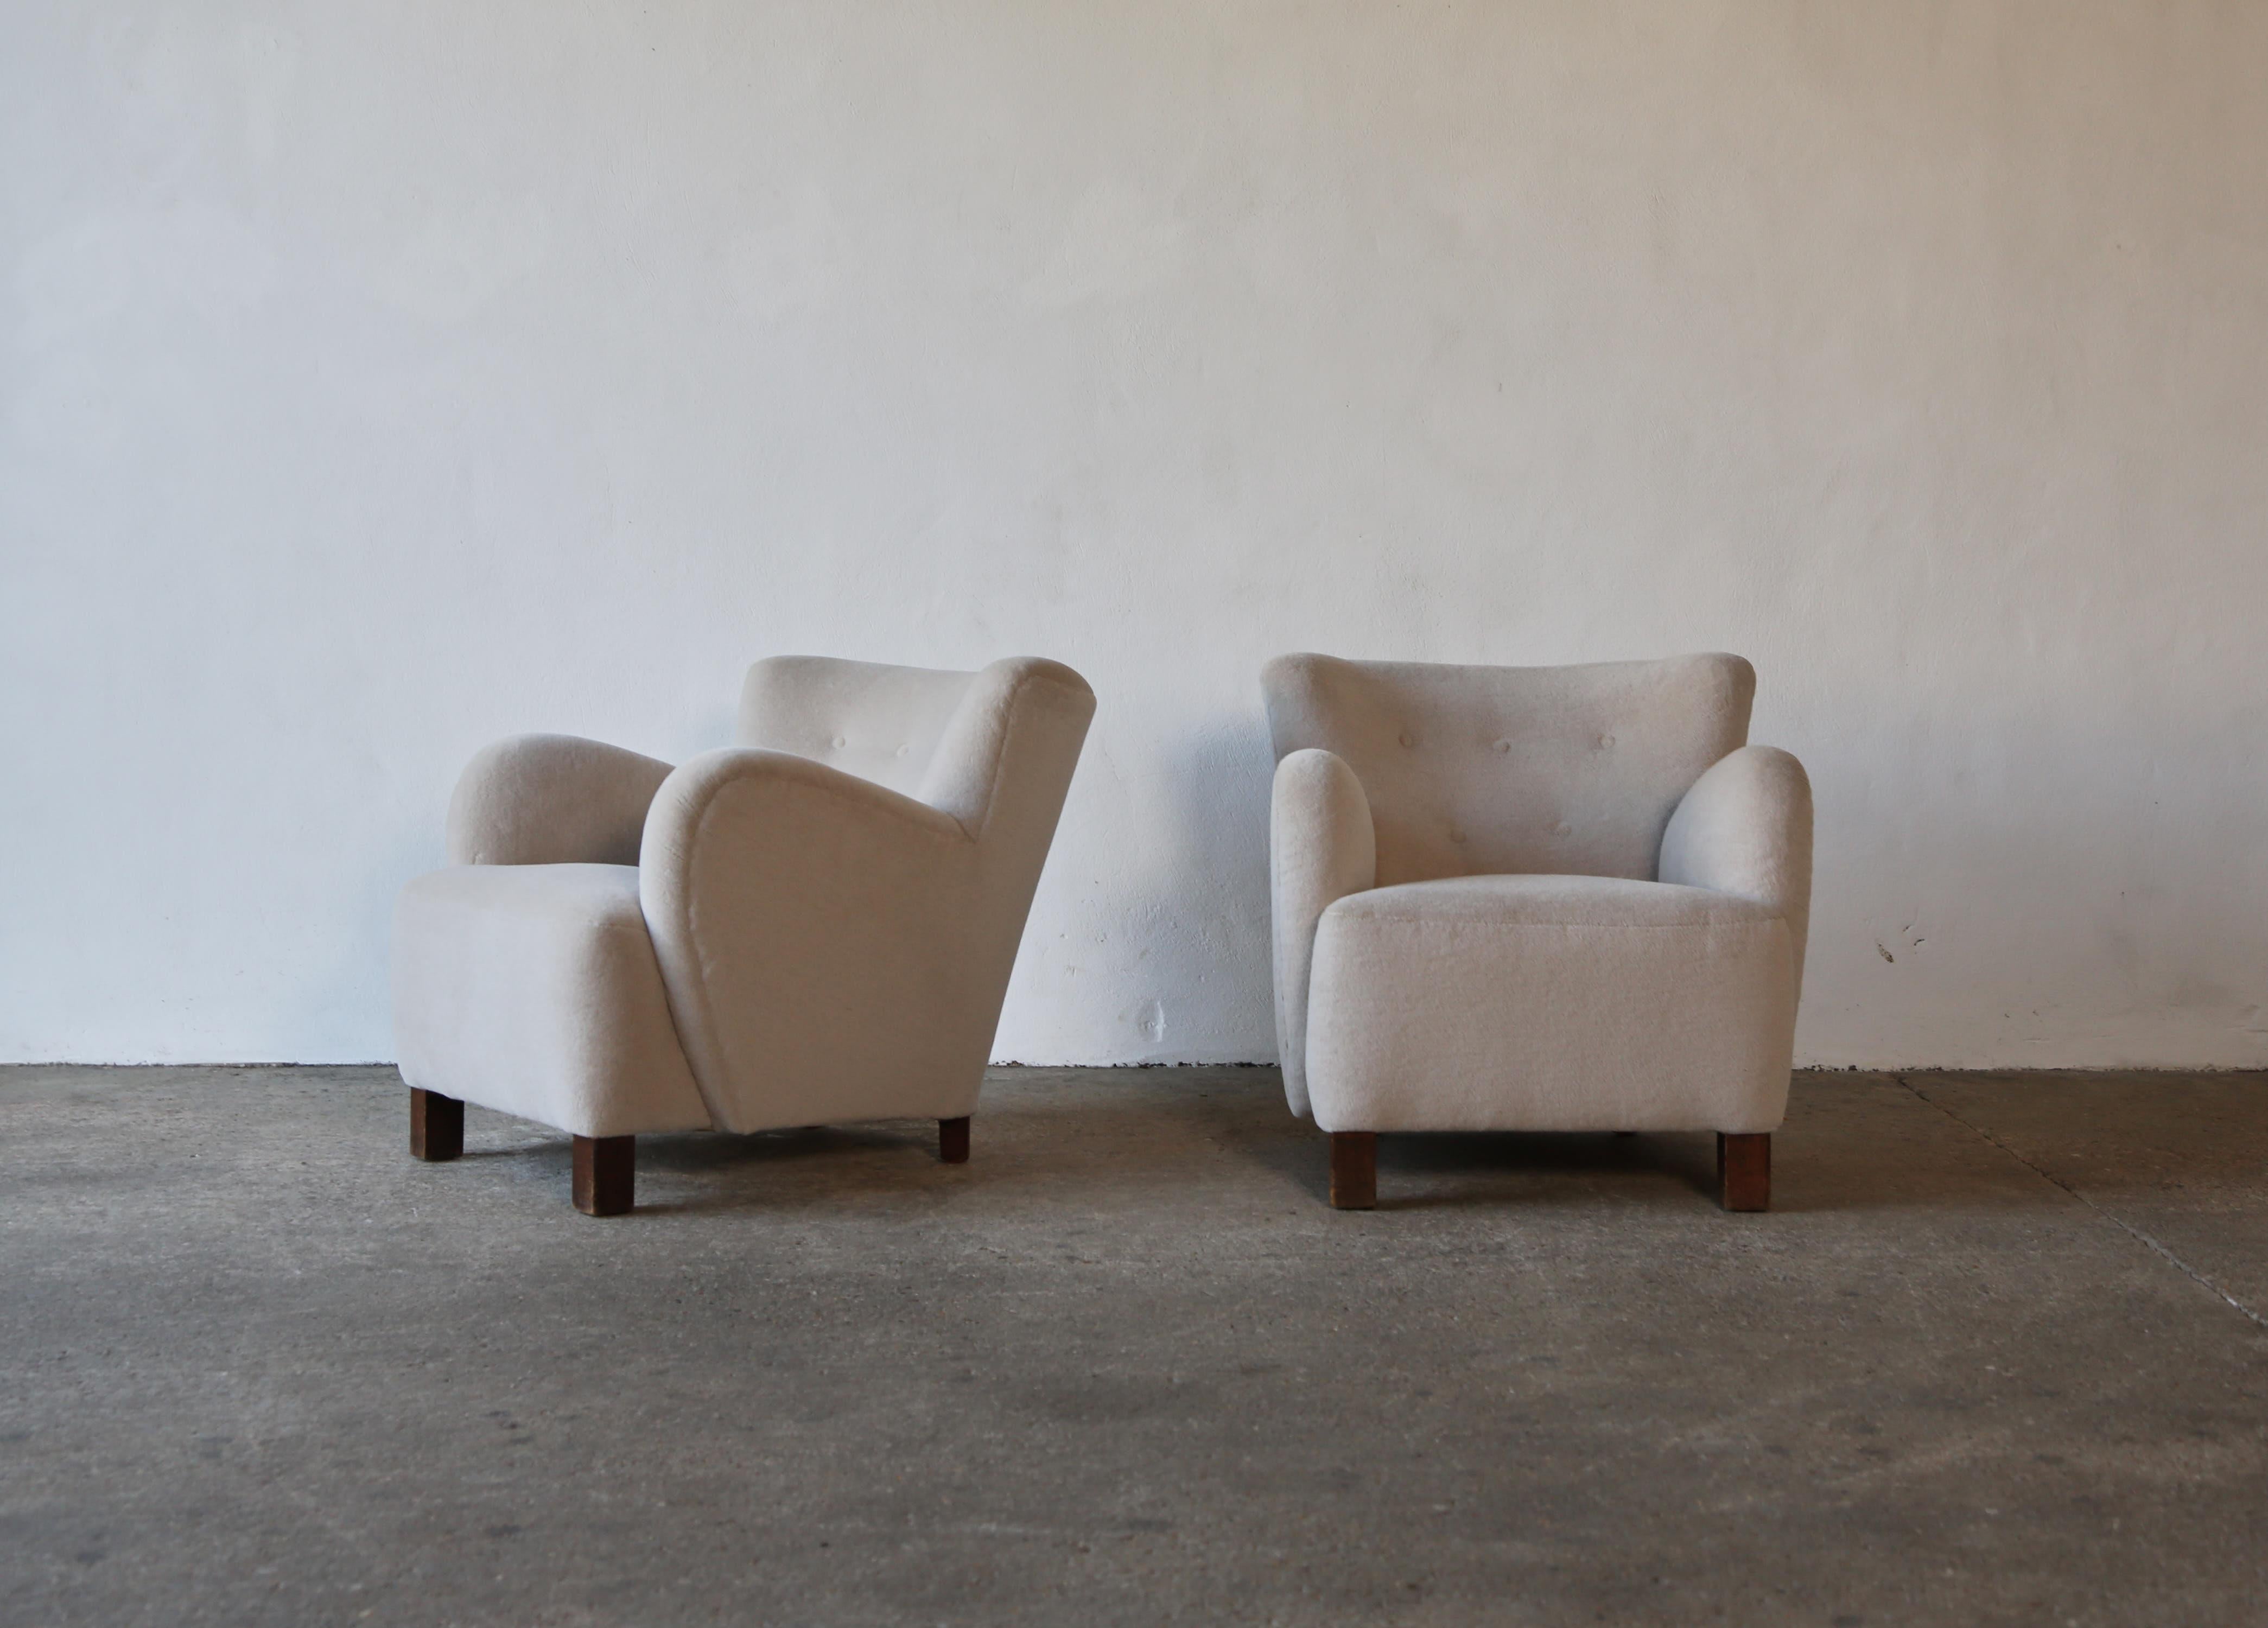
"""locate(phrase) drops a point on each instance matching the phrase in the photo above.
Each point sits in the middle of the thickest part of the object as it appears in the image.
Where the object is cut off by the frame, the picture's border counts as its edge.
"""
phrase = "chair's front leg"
(953, 1140)
(1354, 1170)
(606, 1173)
(1744, 1171)
(437, 1126)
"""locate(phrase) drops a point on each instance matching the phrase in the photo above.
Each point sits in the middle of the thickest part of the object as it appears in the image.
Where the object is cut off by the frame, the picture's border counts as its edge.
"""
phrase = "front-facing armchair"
(816, 926)
(1535, 899)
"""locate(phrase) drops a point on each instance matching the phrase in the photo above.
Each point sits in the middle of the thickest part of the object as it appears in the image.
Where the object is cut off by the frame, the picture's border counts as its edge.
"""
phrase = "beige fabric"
(532, 989)
(807, 923)
(834, 949)
(1745, 828)
(1549, 1003)
(880, 723)
(552, 799)
(1321, 848)
(1469, 932)
(827, 947)
(1474, 771)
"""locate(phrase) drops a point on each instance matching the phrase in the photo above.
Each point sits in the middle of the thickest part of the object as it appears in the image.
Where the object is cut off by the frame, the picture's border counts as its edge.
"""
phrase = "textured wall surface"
(379, 379)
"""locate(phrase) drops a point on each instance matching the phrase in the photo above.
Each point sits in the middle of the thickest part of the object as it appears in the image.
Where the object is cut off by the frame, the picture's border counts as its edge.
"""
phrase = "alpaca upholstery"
(815, 926)
(1534, 898)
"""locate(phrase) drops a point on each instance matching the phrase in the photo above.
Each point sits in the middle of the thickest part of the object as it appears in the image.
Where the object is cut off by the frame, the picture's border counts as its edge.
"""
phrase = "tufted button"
(841, 741)
(1407, 740)
(1456, 833)
(1562, 829)
(1504, 746)
(904, 750)
(1605, 741)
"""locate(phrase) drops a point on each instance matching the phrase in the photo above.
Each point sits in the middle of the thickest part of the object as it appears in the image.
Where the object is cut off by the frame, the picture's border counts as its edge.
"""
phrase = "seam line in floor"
(2120, 1222)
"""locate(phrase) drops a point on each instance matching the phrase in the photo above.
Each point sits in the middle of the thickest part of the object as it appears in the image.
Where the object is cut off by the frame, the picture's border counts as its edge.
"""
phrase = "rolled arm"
(1744, 828)
(776, 889)
(552, 799)
(1321, 847)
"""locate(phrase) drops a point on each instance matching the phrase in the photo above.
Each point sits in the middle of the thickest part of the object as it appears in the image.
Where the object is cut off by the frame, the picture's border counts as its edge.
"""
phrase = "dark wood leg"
(437, 1126)
(953, 1140)
(1744, 1171)
(1354, 1170)
(606, 1173)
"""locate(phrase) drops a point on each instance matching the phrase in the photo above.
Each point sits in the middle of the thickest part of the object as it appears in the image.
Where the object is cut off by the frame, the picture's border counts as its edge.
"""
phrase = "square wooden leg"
(606, 1173)
(1354, 1170)
(437, 1126)
(1744, 1171)
(953, 1140)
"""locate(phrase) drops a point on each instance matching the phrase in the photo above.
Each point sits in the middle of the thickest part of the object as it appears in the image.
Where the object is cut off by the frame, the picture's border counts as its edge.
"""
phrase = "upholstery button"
(1606, 741)
(841, 740)
(1406, 741)
(1456, 833)
(904, 750)
(1562, 829)
(1504, 746)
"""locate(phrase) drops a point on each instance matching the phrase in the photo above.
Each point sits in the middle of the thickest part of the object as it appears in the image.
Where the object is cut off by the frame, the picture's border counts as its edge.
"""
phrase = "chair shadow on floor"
(1841, 1153)
(705, 1171)
(1447, 1170)
(1479, 1168)
(1813, 1174)
(693, 1171)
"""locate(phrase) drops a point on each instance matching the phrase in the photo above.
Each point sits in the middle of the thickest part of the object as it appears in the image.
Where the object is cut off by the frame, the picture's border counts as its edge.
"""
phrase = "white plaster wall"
(379, 379)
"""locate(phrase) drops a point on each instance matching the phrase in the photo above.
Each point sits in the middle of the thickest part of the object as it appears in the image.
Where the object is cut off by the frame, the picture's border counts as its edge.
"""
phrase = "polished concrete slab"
(1995, 1357)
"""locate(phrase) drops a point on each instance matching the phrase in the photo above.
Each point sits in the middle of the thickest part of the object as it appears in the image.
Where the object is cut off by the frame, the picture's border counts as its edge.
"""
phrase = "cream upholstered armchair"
(1535, 899)
(815, 927)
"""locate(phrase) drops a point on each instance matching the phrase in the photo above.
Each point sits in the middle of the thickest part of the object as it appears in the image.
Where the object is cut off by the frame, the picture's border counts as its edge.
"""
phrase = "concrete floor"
(1997, 1356)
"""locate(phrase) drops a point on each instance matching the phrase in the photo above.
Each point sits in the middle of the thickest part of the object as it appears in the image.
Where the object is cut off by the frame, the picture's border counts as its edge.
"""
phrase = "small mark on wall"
(1908, 940)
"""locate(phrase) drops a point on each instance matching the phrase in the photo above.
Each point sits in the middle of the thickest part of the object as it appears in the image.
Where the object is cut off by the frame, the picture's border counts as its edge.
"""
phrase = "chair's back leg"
(1744, 1171)
(953, 1140)
(437, 1126)
(1354, 1169)
(606, 1175)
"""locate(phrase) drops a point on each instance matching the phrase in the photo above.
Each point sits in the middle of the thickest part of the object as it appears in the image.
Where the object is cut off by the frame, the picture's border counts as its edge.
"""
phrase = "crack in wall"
(2125, 1226)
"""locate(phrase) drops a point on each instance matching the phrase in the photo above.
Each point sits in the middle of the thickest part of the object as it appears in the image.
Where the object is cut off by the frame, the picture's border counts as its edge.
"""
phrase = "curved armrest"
(1744, 828)
(1321, 847)
(552, 799)
(773, 883)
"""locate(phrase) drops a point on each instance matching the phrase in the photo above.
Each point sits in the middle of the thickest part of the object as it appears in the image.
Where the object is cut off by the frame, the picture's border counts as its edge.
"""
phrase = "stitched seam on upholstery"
(893, 803)
(682, 878)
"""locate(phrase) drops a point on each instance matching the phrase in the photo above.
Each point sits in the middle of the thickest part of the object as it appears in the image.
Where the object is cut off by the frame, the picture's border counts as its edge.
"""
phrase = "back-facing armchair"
(1535, 899)
(813, 927)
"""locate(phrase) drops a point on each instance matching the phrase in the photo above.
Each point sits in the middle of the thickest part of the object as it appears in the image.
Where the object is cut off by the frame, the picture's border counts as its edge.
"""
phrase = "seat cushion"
(533, 989)
(1549, 1003)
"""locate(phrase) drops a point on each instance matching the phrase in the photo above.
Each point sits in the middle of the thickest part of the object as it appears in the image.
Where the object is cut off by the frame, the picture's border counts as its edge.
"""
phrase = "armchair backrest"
(879, 723)
(1474, 770)
(993, 749)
